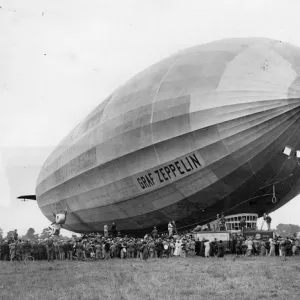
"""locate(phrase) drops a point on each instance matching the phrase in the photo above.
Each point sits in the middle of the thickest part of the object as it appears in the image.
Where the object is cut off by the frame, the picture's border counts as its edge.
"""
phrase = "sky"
(60, 58)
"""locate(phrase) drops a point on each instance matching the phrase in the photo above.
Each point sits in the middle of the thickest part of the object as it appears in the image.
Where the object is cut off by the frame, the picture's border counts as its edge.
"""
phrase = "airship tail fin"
(27, 197)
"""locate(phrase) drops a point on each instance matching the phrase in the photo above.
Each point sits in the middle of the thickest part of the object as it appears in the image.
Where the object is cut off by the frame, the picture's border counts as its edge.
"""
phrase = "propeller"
(59, 220)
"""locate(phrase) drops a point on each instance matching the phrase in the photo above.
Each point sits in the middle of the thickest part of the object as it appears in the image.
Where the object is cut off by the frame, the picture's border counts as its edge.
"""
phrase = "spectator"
(170, 229)
(130, 249)
(249, 244)
(61, 250)
(12, 250)
(105, 231)
(183, 248)
(113, 230)
(222, 223)
(243, 223)
(197, 247)
(207, 248)
(159, 248)
(220, 249)
(107, 249)
(5, 250)
(50, 249)
(98, 251)
(69, 248)
(272, 247)
(154, 233)
(262, 249)
(268, 220)
(79, 250)
(283, 247)
(145, 250)
(139, 249)
(174, 227)
(56, 250)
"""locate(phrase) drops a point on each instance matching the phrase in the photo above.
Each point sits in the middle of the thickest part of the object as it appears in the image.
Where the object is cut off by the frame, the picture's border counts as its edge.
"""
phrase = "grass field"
(176, 278)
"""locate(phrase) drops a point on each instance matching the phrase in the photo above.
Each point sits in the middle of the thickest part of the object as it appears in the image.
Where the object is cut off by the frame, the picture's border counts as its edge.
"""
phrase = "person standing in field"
(268, 220)
(113, 250)
(113, 230)
(172, 248)
(294, 248)
(79, 250)
(61, 248)
(50, 249)
(202, 247)
(159, 248)
(197, 247)
(152, 249)
(272, 247)
(207, 248)
(130, 249)
(262, 249)
(138, 247)
(5, 250)
(283, 247)
(145, 250)
(55, 250)
(69, 248)
(12, 250)
(107, 249)
(170, 229)
(174, 227)
(105, 230)
(222, 223)
(220, 249)
(183, 248)
(22, 250)
(249, 247)
(177, 248)
(243, 223)
(154, 233)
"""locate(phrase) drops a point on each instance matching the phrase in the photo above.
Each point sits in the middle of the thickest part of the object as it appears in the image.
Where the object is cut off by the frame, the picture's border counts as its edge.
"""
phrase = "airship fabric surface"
(189, 134)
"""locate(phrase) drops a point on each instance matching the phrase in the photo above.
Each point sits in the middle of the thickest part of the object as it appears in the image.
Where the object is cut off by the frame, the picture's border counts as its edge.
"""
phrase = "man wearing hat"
(220, 249)
(154, 233)
(50, 249)
(5, 250)
(159, 248)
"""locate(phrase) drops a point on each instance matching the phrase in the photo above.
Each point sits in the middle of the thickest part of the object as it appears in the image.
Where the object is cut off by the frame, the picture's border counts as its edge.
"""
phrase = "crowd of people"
(277, 246)
(111, 245)
(98, 247)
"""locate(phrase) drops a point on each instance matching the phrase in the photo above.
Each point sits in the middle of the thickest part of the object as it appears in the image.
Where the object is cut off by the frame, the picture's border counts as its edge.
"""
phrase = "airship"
(211, 129)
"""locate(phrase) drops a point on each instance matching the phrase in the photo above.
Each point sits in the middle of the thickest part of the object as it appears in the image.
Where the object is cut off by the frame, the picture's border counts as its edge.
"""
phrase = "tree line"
(30, 235)
(281, 229)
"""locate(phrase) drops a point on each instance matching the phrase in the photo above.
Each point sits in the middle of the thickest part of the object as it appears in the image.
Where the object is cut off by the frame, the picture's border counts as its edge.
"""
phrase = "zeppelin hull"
(197, 134)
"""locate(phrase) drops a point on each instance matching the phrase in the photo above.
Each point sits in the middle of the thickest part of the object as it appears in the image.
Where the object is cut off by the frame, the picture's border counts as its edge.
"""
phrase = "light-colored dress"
(207, 249)
(177, 251)
(272, 248)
